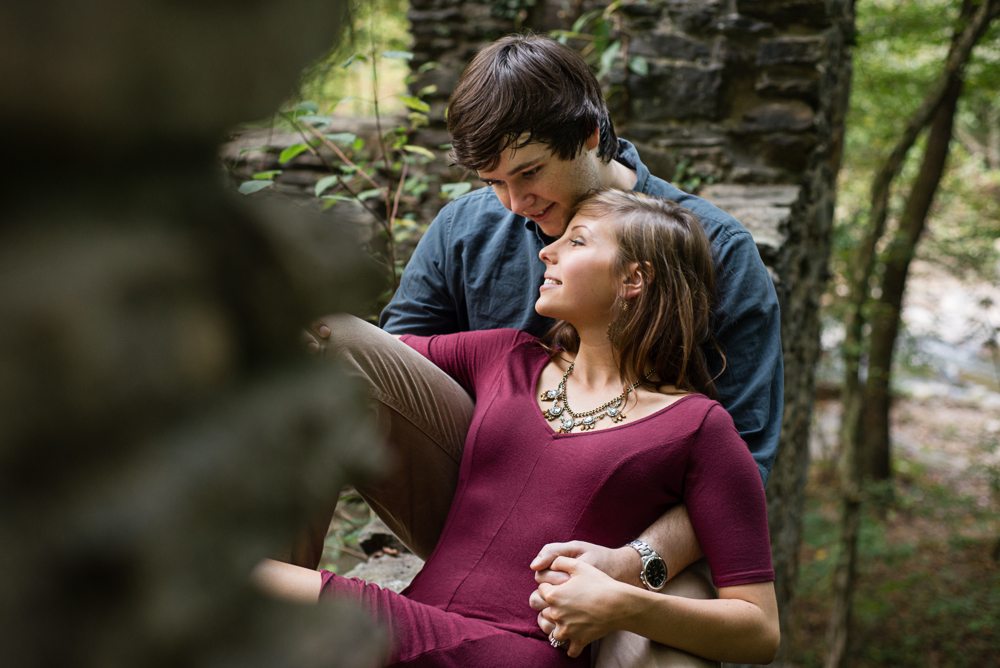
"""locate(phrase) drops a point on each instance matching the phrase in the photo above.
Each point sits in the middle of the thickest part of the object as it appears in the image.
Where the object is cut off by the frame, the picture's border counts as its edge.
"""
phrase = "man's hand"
(583, 608)
(622, 564)
(316, 336)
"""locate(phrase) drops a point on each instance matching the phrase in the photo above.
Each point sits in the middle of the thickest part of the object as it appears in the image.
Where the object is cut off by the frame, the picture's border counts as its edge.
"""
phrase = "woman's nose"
(547, 254)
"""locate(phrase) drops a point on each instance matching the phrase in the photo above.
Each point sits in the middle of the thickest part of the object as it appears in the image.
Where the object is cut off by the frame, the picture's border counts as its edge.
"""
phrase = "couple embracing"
(580, 379)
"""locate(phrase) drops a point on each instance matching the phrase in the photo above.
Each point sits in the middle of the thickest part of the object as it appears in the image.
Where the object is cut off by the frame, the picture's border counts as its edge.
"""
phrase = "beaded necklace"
(569, 419)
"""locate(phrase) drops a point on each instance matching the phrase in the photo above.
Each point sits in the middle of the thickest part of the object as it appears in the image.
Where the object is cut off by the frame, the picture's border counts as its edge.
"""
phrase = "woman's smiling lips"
(548, 284)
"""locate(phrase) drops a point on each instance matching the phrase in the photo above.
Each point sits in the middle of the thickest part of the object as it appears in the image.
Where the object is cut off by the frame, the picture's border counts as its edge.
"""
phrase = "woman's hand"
(622, 564)
(581, 609)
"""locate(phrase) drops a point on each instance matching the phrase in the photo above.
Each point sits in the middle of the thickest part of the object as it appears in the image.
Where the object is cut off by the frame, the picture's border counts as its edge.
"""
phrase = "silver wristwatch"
(654, 570)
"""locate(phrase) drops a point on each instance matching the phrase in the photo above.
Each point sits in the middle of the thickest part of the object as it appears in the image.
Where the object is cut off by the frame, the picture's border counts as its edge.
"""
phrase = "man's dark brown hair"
(526, 85)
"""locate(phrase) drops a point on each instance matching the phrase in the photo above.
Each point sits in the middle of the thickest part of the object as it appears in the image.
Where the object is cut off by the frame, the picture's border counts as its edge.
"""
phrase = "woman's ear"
(634, 282)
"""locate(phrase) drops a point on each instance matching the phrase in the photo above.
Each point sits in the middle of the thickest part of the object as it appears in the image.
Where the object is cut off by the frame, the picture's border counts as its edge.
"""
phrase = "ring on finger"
(555, 643)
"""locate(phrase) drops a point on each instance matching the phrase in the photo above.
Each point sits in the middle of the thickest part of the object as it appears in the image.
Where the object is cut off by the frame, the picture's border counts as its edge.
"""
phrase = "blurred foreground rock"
(387, 571)
(160, 428)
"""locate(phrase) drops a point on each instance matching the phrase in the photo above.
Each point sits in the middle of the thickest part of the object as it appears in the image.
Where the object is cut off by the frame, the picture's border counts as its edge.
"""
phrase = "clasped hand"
(577, 598)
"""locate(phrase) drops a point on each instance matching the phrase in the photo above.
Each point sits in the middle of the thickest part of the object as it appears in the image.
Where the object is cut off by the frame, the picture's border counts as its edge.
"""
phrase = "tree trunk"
(972, 23)
(873, 435)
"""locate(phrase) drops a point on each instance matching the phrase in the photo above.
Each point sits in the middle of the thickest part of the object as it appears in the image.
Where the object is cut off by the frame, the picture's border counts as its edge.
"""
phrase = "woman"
(588, 435)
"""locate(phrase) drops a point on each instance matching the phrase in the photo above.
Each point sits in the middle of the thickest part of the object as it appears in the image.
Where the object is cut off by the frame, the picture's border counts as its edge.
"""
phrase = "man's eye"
(530, 173)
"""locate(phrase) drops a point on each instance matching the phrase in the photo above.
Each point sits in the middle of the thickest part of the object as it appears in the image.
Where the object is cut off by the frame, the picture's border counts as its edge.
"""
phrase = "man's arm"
(748, 329)
(424, 303)
(671, 536)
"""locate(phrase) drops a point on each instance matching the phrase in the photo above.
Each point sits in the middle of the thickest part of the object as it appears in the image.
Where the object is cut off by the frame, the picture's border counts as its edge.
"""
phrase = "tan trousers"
(425, 415)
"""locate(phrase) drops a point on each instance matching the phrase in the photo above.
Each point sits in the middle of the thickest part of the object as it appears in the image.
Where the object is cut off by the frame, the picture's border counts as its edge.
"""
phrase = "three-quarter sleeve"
(725, 500)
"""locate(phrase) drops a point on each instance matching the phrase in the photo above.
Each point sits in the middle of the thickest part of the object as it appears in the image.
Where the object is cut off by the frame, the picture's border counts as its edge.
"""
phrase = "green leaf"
(368, 194)
(427, 67)
(415, 103)
(342, 137)
(356, 56)
(308, 106)
(346, 99)
(397, 55)
(250, 187)
(264, 176)
(455, 190)
(255, 148)
(291, 152)
(427, 90)
(445, 147)
(358, 144)
(585, 19)
(324, 184)
(314, 119)
(419, 150)
(639, 66)
(608, 58)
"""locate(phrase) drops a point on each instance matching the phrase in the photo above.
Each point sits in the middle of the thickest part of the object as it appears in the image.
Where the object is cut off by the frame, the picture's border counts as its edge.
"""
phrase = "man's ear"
(594, 140)
(635, 281)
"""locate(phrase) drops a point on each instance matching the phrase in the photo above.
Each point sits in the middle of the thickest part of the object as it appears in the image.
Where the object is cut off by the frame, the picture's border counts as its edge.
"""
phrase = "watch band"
(648, 555)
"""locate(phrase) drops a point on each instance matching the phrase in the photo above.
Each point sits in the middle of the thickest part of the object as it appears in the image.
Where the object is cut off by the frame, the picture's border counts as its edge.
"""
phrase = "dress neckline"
(535, 377)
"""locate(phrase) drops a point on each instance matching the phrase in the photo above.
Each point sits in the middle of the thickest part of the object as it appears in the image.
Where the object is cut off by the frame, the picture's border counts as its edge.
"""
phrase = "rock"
(392, 573)
(676, 91)
(377, 536)
(791, 51)
(763, 210)
(779, 117)
(789, 84)
(670, 45)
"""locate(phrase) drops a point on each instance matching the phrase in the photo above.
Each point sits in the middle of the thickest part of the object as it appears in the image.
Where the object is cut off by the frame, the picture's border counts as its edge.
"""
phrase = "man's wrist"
(629, 566)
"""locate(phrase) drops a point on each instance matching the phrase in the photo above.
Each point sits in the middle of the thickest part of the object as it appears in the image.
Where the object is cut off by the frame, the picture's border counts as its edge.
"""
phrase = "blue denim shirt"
(477, 267)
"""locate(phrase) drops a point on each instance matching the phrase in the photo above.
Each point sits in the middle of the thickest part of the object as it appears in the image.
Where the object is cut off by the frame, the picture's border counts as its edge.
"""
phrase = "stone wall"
(748, 95)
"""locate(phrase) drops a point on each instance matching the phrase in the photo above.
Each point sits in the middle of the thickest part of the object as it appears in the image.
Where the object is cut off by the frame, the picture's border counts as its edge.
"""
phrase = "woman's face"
(581, 286)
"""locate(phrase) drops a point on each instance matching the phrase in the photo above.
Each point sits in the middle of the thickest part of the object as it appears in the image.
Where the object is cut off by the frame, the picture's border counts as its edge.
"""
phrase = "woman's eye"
(575, 242)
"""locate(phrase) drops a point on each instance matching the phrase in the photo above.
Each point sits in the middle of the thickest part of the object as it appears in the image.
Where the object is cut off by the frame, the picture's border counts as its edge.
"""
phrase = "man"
(529, 117)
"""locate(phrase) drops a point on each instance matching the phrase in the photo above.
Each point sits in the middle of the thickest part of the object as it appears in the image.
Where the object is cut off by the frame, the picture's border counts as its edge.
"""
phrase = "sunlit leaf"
(308, 106)
(250, 187)
(291, 152)
(638, 65)
(356, 56)
(349, 98)
(428, 66)
(369, 194)
(264, 176)
(427, 90)
(397, 55)
(314, 119)
(325, 183)
(415, 103)
(455, 190)
(419, 150)
(342, 137)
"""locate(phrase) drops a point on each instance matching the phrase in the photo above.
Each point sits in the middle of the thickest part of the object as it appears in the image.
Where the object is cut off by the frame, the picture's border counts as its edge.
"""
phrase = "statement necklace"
(569, 420)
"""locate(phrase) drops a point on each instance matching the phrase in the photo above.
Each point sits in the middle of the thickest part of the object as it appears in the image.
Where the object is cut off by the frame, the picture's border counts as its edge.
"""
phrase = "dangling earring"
(617, 326)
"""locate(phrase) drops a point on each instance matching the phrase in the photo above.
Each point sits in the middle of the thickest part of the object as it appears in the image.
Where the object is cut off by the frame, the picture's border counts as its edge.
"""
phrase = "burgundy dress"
(522, 485)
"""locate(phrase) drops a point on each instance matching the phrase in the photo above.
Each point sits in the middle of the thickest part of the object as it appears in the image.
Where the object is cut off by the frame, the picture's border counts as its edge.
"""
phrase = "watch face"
(656, 573)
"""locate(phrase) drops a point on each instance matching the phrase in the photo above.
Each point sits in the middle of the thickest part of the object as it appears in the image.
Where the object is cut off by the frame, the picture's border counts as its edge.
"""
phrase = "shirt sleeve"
(424, 303)
(725, 500)
(471, 358)
(748, 329)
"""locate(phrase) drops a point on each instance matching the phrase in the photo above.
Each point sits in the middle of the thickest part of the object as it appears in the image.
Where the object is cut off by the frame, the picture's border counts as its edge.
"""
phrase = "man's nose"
(520, 201)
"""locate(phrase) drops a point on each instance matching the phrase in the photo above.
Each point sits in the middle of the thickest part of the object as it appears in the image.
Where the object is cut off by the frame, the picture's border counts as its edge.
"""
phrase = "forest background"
(928, 582)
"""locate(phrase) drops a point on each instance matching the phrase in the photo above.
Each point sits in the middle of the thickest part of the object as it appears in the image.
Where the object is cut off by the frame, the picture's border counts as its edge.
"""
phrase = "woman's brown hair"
(665, 327)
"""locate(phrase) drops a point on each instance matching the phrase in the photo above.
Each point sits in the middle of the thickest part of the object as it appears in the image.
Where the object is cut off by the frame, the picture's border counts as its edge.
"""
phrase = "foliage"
(387, 177)
(901, 46)
(927, 587)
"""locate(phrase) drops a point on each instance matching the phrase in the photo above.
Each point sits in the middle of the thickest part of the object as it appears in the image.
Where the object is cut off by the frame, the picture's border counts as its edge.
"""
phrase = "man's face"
(534, 183)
